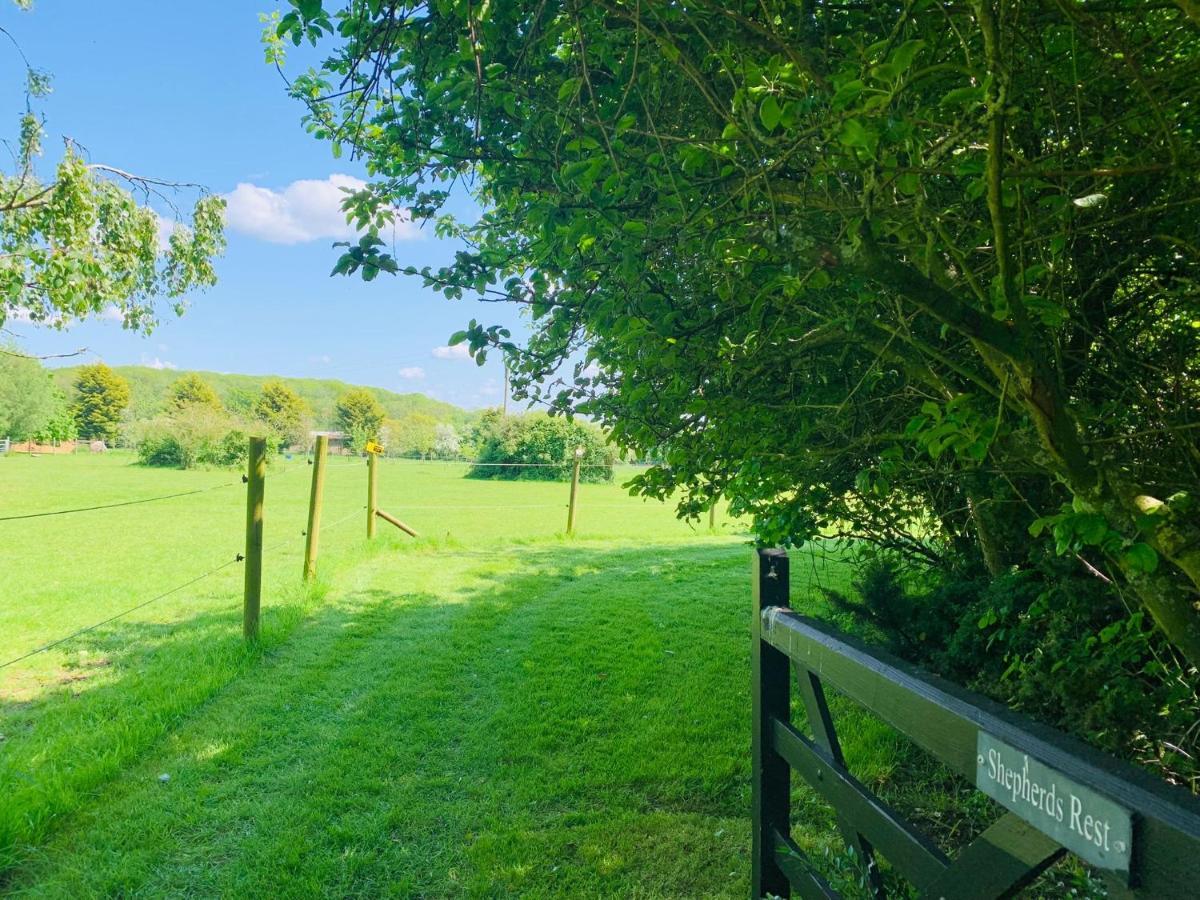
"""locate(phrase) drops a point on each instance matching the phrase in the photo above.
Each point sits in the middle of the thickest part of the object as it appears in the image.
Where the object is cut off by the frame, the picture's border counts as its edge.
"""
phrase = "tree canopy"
(283, 411)
(28, 399)
(85, 239)
(923, 274)
(191, 389)
(101, 398)
(360, 415)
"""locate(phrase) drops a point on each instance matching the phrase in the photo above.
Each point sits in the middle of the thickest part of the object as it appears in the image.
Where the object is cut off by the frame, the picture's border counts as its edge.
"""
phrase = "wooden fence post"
(770, 775)
(372, 492)
(256, 483)
(316, 497)
(574, 491)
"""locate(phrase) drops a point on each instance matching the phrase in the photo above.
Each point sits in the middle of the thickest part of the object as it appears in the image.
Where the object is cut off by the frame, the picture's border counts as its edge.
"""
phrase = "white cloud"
(458, 351)
(305, 210)
(157, 363)
(412, 372)
(324, 359)
(165, 228)
(111, 313)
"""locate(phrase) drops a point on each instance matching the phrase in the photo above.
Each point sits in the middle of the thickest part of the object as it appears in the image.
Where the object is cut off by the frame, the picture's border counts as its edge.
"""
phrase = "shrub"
(1048, 640)
(195, 434)
(539, 447)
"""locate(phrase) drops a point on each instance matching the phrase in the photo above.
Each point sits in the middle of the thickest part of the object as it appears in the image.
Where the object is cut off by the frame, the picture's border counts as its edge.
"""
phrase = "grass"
(490, 711)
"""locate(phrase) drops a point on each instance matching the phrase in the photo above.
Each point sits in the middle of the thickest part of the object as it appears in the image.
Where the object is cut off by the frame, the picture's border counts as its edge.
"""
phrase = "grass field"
(492, 710)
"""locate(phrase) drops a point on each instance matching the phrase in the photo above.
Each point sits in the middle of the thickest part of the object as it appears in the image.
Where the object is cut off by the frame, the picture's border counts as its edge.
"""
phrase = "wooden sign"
(374, 447)
(1088, 824)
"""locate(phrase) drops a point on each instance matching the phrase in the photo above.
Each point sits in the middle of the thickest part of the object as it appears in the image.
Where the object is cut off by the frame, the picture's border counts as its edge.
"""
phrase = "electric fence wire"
(175, 590)
(125, 612)
(78, 509)
(239, 558)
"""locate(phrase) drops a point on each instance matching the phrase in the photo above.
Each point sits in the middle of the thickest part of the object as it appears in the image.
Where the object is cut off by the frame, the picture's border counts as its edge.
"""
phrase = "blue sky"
(180, 91)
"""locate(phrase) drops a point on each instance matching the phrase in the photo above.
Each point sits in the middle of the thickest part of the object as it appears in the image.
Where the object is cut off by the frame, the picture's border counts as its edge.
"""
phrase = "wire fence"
(79, 509)
(284, 540)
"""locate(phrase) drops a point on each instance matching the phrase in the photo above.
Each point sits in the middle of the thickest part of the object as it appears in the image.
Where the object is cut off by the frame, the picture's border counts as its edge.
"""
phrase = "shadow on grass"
(536, 721)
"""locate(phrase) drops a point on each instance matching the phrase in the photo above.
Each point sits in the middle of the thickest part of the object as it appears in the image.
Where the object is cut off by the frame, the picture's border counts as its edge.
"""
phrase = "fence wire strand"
(78, 509)
(113, 618)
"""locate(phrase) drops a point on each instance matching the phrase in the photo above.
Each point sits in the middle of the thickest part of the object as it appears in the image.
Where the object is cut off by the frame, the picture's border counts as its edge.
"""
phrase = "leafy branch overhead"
(921, 274)
(86, 240)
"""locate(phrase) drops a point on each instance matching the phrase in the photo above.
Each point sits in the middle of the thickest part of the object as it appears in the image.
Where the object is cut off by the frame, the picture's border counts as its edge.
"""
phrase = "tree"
(60, 426)
(538, 447)
(80, 242)
(446, 442)
(360, 415)
(412, 435)
(27, 397)
(283, 411)
(883, 272)
(191, 389)
(101, 397)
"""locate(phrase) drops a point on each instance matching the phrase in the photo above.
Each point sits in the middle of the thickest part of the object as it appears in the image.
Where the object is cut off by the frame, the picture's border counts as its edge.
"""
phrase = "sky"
(181, 91)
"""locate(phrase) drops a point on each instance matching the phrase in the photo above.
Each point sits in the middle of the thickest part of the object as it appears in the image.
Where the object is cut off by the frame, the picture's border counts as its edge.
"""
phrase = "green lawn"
(490, 709)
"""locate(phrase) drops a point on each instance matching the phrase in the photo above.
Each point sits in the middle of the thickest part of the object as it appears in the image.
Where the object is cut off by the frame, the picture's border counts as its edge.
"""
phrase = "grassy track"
(489, 711)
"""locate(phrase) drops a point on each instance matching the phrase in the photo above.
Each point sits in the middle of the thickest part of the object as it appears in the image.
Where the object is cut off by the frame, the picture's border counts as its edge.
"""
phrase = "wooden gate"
(1061, 796)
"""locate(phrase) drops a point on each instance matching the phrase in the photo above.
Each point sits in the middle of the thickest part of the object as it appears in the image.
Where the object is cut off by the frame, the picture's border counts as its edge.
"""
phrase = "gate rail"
(1062, 796)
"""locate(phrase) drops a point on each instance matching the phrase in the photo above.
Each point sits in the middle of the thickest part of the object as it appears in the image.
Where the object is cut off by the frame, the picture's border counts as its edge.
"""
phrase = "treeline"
(191, 423)
(149, 388)
(528, 446)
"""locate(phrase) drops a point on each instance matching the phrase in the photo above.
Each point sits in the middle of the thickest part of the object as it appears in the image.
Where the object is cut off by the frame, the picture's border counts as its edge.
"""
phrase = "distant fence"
(255, 479)
(1142, 834)
(9, 446)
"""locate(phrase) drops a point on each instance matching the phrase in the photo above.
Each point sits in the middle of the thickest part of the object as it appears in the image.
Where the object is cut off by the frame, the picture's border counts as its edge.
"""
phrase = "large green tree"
(101, 398)
(192, 390)
(283, 411)
(85, 238)
(28, 401)
(920, 273)
(360, 415)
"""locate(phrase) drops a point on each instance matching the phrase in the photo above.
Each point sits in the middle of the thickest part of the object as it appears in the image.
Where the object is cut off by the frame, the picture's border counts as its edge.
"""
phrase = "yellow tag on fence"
(374, 447)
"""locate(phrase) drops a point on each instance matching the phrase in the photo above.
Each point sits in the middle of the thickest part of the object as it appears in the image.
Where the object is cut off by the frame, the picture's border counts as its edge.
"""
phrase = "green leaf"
(855, 135)
(903, 56)
(1037, 526)
(1140, 557)
(770, 112)
(963, 96)
(568, 88)
(847, 94)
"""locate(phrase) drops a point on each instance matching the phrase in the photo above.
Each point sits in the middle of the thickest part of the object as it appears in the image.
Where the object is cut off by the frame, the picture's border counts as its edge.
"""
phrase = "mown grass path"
(545, 720)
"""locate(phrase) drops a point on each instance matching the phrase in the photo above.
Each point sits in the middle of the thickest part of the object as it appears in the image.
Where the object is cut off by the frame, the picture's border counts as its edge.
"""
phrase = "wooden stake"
(394, 521)
(256, 483)
(316, 498)
(574, 492)
(372, 492)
